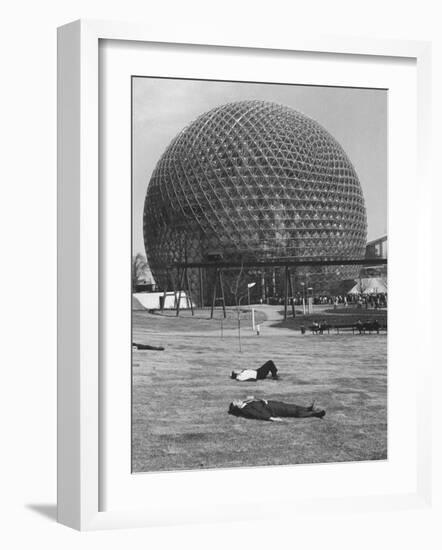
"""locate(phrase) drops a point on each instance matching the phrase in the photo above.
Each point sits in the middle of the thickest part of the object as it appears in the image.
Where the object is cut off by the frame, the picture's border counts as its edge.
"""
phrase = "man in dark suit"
(274, 411)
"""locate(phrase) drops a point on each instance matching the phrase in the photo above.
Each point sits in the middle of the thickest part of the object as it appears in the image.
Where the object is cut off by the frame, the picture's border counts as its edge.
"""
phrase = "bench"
(371, 327)
(368, 326)
(320, 329)
(351, 327)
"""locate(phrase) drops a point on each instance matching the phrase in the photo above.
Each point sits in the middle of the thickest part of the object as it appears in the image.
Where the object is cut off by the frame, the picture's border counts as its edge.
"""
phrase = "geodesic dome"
(258, 180)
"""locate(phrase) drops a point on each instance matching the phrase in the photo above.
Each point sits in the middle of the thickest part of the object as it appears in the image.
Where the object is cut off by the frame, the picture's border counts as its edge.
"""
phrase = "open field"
(181, 395)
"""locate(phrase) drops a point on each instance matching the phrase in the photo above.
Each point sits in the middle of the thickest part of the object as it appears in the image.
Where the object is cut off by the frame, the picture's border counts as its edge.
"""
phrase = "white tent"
(152, 300)
(369, 285)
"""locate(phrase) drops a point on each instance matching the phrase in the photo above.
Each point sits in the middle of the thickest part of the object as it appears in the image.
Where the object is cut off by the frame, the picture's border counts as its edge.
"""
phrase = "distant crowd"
(373, 301)
(360, 300)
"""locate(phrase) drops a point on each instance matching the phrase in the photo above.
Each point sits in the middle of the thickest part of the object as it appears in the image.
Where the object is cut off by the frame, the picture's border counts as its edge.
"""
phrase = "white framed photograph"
(225, 216)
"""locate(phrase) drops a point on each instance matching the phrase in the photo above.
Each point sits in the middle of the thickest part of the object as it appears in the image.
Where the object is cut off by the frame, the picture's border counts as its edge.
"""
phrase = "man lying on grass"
(275, 411)
(252, 375)
(147, 347)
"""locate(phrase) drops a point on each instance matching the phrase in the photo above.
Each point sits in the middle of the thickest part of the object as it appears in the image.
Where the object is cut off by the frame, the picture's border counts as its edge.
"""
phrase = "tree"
(238, 289)
(139, 270)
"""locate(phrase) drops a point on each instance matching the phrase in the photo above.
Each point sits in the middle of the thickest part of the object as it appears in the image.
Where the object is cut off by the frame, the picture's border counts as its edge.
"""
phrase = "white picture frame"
(79, 273)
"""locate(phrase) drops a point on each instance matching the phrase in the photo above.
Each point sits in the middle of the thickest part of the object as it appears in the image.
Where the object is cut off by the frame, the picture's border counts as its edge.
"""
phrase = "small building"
(375, 249)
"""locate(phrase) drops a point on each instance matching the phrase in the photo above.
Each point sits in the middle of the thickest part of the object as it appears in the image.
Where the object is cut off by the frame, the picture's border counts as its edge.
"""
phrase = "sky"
(357, 118)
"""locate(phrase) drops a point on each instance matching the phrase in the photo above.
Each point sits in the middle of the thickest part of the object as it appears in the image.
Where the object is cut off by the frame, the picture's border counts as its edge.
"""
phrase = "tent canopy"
(369, 285)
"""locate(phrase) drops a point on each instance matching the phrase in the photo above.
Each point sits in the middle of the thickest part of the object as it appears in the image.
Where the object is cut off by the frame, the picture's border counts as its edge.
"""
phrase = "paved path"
(272, 313)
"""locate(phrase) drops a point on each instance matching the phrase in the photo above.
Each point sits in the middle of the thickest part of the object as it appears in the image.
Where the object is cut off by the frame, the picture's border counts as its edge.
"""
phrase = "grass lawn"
(181, 395)
(333, 317)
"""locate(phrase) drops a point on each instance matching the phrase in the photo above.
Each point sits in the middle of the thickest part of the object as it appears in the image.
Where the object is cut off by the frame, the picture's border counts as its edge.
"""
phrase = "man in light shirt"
(252, 375)
(273, 411)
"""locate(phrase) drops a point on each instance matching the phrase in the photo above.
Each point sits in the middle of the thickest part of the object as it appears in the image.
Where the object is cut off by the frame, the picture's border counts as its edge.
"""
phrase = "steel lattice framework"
(254, 180)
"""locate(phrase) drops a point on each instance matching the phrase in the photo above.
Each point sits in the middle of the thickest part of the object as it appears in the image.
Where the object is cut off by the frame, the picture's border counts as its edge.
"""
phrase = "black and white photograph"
(221, 245)
(259, 274)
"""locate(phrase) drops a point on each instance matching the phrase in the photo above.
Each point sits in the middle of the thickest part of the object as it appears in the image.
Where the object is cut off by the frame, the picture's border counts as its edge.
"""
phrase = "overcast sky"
(356, 118)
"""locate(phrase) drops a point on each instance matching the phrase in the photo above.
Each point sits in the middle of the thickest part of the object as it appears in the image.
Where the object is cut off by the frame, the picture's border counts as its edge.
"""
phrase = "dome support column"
(218, 280)
(288, 291)
(184, 285)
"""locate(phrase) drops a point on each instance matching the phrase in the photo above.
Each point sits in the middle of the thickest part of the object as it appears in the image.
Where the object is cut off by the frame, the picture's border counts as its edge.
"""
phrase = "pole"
(253, 318)
(189, 293)
(214, 293)
(238, 311)
(292, 294)
(220, 277)
(285, 292)
(180, 282)
(165, 294)
(200, 272)
(174, 283)
(239, 329)
(263, 287)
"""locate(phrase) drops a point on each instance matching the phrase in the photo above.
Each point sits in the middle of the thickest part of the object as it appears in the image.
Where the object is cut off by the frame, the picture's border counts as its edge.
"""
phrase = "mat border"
(78, 254)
